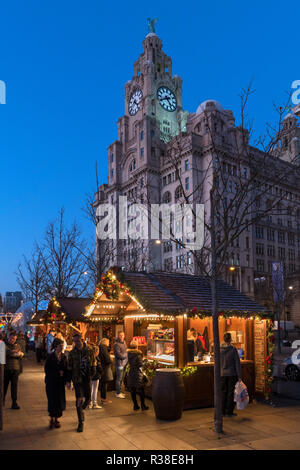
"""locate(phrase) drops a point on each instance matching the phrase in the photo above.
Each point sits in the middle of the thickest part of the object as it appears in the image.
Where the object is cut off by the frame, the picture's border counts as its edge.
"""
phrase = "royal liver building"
(163, 154)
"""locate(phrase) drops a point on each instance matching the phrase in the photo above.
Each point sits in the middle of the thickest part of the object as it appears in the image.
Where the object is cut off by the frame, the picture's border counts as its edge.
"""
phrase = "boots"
(80, 415)
(135, 403)
(143, 405)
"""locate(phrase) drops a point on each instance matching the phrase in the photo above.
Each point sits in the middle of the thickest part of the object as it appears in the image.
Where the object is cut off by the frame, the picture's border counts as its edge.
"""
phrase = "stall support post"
(180, 340)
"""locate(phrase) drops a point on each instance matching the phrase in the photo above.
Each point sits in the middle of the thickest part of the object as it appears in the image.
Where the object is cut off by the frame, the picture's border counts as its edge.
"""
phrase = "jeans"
(120, 373)
(227, 390)
(12, 377)
(95, 385)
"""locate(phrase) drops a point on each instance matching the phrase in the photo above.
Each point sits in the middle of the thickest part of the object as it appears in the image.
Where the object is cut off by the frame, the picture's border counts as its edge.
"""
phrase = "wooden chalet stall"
(158, 309)
(64, 315)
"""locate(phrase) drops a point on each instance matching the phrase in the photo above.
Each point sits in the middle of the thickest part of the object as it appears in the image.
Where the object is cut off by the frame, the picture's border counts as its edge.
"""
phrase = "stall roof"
(74, 308)
(175, 292)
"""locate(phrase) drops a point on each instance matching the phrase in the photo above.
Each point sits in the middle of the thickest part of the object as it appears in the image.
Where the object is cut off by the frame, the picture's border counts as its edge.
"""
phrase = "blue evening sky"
(65, 64)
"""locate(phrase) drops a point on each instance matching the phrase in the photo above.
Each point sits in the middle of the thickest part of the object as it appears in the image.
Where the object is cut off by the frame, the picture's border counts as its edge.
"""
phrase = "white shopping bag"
(241, 396)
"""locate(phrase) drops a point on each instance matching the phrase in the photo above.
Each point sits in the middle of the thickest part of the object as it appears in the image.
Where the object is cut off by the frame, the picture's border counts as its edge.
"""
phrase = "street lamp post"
(233, 269)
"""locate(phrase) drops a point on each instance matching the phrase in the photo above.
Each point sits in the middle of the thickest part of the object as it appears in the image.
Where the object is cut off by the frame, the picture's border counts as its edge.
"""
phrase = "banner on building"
(277, 281)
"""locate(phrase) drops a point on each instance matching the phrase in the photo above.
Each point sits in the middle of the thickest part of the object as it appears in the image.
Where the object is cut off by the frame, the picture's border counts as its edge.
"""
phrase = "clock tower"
(153, 115)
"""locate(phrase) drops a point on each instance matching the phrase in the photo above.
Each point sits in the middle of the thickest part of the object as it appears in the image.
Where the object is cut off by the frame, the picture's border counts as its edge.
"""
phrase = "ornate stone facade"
(155, 127)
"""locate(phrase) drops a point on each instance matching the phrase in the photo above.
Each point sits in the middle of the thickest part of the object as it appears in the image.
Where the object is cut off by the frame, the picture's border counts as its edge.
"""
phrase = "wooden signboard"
(260, 352)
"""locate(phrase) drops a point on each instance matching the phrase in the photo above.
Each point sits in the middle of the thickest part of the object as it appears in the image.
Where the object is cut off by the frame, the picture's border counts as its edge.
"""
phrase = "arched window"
(178, 193)
(132, 166)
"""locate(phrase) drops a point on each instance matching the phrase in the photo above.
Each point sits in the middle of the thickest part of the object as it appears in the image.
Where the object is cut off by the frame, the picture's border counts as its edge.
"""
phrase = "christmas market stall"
(161, 310)
(64, 315)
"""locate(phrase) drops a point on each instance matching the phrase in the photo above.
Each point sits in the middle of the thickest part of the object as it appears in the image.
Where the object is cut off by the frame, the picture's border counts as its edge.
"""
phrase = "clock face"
(167, 99)
(134, 102)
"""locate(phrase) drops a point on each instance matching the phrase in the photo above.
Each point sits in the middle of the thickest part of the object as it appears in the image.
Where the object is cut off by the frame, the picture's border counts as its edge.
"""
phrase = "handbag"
(145, 379)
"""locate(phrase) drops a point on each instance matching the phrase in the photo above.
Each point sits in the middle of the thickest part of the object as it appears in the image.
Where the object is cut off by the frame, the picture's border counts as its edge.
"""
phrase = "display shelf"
(161, 339)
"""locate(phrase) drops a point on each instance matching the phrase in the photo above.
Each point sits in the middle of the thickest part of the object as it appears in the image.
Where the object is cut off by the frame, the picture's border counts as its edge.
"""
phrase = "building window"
(187, 183)
(189, 258)
(260, 249)
(271, 251)
(271, 234)
(292, 255)
(291, 239)
(112, 158)
(142, 152)
(132, 165)
(167, 197)
(259, 231)
(142, 182)
(142, 135)
(179, 261)
(248, 260)
(178, 193)
(186, 165)
(260, 265)
(281, 236)
(112, 173)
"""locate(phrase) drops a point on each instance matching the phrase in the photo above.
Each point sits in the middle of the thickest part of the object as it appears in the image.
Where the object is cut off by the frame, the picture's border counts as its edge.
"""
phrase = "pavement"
(117, 427)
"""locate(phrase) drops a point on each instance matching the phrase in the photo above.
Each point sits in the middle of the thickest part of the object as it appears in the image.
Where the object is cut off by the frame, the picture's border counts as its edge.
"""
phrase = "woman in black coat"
(106, 362)
(55, 379)
(135, 376)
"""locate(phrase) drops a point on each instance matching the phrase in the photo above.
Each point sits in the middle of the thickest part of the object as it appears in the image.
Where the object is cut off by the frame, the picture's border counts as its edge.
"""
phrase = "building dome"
(209, 105)
(150, 35)
(290, 115)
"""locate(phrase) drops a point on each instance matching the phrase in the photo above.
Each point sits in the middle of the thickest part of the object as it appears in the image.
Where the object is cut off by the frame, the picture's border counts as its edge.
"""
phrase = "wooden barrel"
(168, 394)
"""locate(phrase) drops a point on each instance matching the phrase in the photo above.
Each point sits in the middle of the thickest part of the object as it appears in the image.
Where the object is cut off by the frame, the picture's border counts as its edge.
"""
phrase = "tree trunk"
(278, 323)
(214, 300)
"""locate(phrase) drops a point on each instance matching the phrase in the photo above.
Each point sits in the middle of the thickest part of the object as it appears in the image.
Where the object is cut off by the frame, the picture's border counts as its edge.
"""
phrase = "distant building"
(12, 301)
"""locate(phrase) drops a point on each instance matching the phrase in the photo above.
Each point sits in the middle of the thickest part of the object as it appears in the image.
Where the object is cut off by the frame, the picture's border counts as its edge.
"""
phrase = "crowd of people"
(87, 368)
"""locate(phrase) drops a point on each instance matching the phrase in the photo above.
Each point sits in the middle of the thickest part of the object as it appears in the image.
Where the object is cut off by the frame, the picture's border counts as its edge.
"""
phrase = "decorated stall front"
(64, 315)
(169, 315)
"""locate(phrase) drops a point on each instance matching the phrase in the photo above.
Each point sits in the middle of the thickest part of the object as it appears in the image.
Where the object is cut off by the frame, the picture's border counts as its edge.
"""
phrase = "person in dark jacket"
(107, 375)
(56, 370)
(80, 361)
(135, 376)
(12, 368)
(96, 376)
(120, 352)
(230, 374)
(21, 340)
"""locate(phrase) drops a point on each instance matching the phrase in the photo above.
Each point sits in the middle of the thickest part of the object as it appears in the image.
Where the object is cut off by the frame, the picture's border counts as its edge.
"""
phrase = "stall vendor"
(191, 338)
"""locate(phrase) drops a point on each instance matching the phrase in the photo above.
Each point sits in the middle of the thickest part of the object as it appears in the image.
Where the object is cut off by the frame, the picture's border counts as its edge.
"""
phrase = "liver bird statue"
(151, 24)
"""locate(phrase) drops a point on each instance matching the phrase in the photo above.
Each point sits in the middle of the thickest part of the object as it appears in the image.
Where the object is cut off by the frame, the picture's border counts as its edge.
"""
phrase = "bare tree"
(31, 277)
(236, 183)
(99, 257)
(63, 259)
